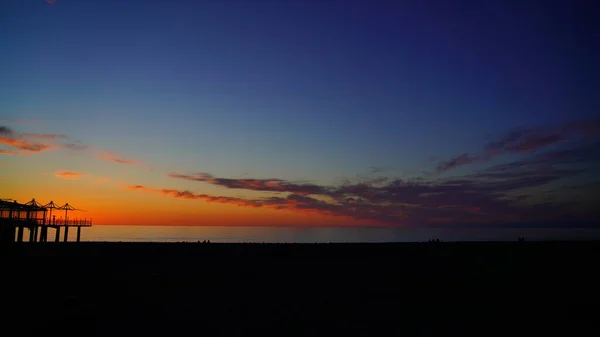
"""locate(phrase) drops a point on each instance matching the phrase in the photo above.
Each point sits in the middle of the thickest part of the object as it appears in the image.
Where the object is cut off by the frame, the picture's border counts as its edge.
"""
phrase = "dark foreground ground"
(147, 289)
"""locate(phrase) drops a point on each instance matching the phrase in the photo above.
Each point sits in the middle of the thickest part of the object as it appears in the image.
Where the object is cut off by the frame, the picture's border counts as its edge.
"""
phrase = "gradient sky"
(399, 113)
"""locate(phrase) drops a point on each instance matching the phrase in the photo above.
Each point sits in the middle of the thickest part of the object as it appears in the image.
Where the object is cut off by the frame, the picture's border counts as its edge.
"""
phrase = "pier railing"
(70, 222)
(56, 222)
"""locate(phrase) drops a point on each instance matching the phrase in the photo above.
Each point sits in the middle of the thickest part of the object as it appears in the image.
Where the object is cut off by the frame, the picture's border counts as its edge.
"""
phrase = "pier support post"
(20, 234)
(78, 233)
(35, 233)
(31, 234)
(57, 237)
(66, 233)
(44, 234)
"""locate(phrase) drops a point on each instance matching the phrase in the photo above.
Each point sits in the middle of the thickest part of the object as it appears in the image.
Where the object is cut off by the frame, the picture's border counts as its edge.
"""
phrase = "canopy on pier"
(34, 204)
(8, 204)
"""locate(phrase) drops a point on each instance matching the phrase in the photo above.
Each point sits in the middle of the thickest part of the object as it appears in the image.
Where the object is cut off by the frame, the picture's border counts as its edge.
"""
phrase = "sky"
(302, 113)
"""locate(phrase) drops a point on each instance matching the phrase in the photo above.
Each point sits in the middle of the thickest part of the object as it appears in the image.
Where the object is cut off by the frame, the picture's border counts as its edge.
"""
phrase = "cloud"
(24, 145)
(293, 202)
(21, 140)
(68, 175)
(115, 158)
(380, 209)
(5, 131)
(36, 142)
(102, 180)
(461, 160)
(193, 196)
(267, 185)
(39, 142)
(7, 152)
(76, 146)
(525, 141)
(17, 141)
(44, 136)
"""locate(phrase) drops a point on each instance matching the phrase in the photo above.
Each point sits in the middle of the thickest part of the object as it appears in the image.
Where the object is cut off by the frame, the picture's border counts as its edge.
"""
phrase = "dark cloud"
(461, 160)
(5, 131)
(267, 185)
(525, 141)
(76, 146)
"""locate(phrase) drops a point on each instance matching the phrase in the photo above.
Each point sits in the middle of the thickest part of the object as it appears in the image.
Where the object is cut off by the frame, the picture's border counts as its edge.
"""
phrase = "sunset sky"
(309, 113)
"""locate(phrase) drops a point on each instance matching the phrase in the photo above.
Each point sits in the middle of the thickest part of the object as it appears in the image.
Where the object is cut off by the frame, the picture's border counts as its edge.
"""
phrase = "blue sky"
(296, 90)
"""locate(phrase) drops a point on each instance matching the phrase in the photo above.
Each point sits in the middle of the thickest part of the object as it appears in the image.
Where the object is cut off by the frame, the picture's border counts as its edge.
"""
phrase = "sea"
(105, 233)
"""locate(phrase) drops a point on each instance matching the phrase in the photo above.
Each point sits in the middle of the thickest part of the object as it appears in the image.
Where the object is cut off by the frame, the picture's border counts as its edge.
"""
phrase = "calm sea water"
(322, 234)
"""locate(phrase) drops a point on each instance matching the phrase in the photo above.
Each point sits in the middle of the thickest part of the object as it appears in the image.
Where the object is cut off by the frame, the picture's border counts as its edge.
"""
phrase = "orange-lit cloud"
(36, 142)
(7, 152)
(102, 180)
(10, 138)
(68, 175)
(24, 145)
(193, 196)
(115, 158)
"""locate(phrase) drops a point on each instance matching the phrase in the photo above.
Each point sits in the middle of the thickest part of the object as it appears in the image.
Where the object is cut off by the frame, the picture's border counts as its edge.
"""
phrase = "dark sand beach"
(164, 289)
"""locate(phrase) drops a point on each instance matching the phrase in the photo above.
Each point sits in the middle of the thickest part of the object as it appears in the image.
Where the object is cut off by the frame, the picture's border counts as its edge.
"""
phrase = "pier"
(37, 219)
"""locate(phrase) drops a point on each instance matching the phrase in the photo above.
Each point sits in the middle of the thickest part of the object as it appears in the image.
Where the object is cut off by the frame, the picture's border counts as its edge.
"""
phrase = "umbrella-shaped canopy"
(34, 203)
(51, 205)
(67, 208)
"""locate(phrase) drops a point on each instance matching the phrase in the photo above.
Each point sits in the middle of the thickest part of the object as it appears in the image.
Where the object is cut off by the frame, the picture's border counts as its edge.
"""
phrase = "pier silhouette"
(37, 218)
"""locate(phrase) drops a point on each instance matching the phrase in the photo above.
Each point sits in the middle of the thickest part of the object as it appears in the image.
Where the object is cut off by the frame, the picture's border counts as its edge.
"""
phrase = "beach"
(131, 289)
